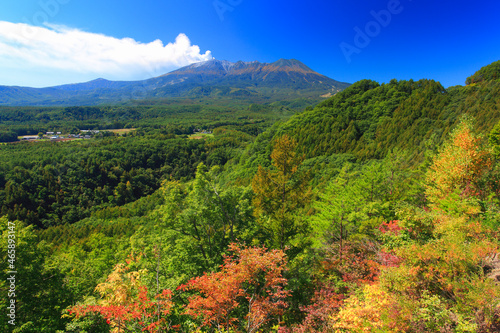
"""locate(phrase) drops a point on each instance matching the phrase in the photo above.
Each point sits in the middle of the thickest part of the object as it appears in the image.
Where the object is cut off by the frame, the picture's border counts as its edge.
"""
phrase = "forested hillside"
(370, 119)
(376, 210)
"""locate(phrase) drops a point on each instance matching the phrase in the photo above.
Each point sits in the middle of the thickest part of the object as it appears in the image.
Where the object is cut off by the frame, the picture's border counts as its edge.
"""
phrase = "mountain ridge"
(233, 68)
(284, 79)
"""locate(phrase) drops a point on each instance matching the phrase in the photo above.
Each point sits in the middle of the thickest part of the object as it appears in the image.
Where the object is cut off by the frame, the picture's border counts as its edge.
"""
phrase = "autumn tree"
(373, 311)
(456, 172)
(126, 305)
(246, 294)
(281, 192)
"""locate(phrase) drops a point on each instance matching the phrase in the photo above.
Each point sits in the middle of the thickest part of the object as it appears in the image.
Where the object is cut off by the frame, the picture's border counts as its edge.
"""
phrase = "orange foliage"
(252, 281)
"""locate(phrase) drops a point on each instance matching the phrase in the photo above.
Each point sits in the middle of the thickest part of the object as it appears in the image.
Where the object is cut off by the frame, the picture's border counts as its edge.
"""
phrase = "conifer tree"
(281, 192)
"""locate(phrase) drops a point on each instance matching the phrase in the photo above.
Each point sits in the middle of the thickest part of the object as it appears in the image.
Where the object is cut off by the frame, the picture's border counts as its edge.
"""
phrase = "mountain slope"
(487, 73)
(368, 119)
(94, 84)
(285, 73)
(283, 79)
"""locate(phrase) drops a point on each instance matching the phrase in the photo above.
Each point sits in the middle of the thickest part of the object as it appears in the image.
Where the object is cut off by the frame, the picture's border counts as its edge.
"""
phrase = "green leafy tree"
(208, 213)
(486, 73)
(40, 289)
(8, 136)
(360, 198)
(340, 210)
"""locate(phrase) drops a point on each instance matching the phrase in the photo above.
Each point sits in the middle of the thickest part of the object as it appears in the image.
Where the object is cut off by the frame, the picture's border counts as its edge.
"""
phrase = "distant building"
(31, 137)
(50, 133)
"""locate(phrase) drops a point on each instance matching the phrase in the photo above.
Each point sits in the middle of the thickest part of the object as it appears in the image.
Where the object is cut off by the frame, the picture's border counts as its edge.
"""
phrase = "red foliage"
(252, 280)
(325, 302)
(126, 304)
(358, 264)
(391, 227)
(141, 312)
(388, 259)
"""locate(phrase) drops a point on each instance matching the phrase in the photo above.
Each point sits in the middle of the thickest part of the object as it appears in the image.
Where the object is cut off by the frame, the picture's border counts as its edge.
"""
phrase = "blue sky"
(49, 42)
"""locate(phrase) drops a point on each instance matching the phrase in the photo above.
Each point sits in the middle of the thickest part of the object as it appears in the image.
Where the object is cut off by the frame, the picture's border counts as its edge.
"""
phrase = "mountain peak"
(209, 66)
(100, 80)
(224, 67)
(291, 63)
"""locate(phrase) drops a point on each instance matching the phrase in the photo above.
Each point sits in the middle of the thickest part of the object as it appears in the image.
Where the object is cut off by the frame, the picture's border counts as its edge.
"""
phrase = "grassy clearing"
(121, 131)
(198, 136)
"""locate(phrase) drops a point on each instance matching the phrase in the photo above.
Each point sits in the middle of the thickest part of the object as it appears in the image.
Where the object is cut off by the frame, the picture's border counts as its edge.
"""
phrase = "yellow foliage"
(367, 313)
(120, 286)
(456, 169)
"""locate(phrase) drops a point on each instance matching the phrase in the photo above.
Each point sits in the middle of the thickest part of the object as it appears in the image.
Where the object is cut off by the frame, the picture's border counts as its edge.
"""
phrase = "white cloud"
(72, 55)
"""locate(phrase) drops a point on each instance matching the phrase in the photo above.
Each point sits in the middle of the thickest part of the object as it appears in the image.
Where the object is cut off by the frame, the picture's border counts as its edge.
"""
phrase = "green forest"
(374, 210)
